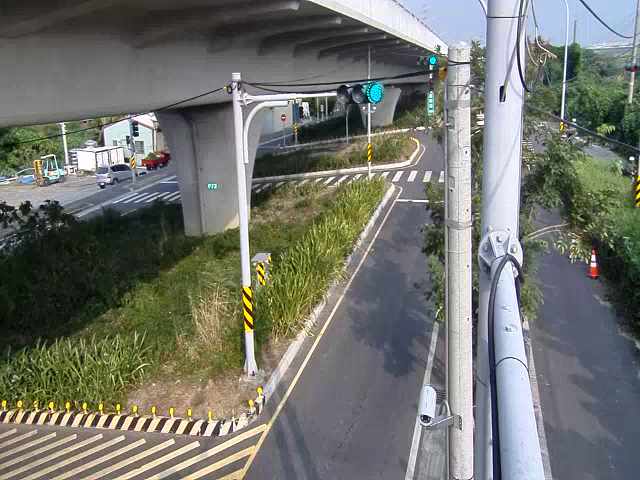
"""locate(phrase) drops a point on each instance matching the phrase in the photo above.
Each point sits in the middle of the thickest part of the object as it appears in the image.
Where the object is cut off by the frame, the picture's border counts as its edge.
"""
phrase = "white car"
(113, 174)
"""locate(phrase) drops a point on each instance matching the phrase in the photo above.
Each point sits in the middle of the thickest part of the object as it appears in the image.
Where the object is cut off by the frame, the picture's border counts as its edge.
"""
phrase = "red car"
(155, 160)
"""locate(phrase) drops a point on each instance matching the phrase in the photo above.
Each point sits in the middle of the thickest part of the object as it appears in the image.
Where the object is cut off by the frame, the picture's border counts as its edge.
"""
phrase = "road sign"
(283, 117)
(212, 186)
(431, 103)
(132, 162)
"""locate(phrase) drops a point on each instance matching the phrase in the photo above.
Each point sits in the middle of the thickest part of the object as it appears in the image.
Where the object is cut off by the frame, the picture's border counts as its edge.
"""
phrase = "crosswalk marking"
(318, 180)
(397, 176)
(209, 453)
(130, 460)
(98, 461)
(329, 180)
(162, 197)
(221, 463)
(342, 179)
(279, 184)
(384, 175)
(172, 197)
(142, 197)
(427, 176)
(127, 196)
(412, 176)
(73, 459)
(7, 434)
(441, 178)
(303, 182)
(37, 451)
(27, 445)
(159, 461)
(152, 197)
(355, 178)
(52, 456)
(237, 475)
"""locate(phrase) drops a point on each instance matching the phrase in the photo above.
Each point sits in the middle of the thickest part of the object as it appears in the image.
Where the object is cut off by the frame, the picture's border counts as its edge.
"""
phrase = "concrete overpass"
(75, 59)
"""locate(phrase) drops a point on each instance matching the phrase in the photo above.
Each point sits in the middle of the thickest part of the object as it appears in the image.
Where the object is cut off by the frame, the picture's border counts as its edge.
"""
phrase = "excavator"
(47, 171)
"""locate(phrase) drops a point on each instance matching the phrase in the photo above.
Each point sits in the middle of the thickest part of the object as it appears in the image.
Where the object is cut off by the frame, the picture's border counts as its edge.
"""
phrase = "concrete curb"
(134, 422)
(293, 349)
(345, 171)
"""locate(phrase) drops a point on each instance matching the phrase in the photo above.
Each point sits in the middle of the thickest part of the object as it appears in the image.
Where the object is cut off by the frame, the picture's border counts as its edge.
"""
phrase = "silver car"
(113, 174)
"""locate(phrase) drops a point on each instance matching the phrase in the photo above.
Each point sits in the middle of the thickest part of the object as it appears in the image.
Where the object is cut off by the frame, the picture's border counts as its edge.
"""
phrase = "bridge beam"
(199, 142)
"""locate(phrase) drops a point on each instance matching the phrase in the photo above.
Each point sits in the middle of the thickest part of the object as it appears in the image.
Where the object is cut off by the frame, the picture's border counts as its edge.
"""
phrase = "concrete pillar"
(384, 111)
(201, 143)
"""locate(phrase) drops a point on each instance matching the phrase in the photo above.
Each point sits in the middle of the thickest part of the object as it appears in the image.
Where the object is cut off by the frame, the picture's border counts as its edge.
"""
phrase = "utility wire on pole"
(634, 54)
(458, 231)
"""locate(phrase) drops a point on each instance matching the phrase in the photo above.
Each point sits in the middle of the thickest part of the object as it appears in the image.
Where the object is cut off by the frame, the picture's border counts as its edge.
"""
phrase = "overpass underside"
(75, 59)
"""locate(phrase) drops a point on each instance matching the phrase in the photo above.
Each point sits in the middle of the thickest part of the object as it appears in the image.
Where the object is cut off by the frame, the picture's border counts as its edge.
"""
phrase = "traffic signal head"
(370, 92)
(135, 129)
(433, 60)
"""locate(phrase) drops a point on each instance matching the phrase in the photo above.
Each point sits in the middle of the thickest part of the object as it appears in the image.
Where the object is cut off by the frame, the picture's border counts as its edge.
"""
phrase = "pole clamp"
(454, 225)
(496, 244)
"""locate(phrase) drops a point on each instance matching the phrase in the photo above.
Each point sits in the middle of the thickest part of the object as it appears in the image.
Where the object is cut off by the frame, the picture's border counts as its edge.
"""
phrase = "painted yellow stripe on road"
(98, 461)
(165, 458)
(145, 453)
(7, 434)
(37, 451)
(221, 463)
(30, 444)
(52, 456)
(68, 461)
(18, 438)
(209, 453)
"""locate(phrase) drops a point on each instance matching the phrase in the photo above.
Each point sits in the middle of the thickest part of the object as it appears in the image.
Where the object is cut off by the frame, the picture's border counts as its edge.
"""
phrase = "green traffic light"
(433, 60)
(375, 92)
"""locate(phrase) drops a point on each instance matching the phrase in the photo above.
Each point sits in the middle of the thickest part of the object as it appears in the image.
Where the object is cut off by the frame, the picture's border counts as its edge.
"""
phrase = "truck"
(90, 158)
(156, 160)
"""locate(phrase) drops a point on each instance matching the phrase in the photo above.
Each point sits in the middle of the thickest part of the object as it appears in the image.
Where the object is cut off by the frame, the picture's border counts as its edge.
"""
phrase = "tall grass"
(301, 276)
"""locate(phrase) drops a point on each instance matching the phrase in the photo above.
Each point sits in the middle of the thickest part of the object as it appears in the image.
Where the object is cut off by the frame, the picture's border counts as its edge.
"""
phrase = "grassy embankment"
(387, 149)
(92, 310)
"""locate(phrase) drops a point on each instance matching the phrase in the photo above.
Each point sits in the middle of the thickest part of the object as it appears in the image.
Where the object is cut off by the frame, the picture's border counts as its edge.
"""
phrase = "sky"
(464, 19)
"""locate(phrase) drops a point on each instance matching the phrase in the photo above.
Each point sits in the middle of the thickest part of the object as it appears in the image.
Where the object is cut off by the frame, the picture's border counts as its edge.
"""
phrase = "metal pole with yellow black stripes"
(261, 274)
(636, 193)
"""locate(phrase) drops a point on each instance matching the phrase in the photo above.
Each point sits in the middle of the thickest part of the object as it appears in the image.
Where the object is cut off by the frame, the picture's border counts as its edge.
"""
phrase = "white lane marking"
(320, 334)
(427, 176)
(412, 176)
(27, 445)
(152, 197)
(384, 175)
(159, 461)
(221, 463)
(18, 438)
(128, 461)
(279, 184)
(165, 194)
(341, 179)
(209, 453)
(170, 181)
(303, 182)
(397, 176)
(37, 451)
(98, 461)
(172, 197)
(318, 180)
(355, 178)
(265, 186)
(411, 200)
(8, 434)
(126, 197)
(417, 429)
(142, 197)
(441, 177)
(329, 180)
(59, 453)
(256, 186)
(75, 458)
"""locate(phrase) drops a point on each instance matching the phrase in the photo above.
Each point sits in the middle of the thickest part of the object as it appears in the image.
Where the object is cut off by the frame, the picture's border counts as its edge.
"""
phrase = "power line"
(586, 5)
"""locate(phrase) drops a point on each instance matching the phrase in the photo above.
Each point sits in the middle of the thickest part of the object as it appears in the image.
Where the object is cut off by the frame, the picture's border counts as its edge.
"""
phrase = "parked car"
(113, 174)
(156, 160)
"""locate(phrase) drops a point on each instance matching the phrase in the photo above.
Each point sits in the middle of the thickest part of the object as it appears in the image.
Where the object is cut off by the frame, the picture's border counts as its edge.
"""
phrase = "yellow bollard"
(85, 408)
(4, 404)
(19, 405)
(118, 408)
(153, 410)
(189, 413)
(35, 405)
(210, 415)
(52, 406)
(171, 411)
(101, 408)
(134, 410)
(67, 407)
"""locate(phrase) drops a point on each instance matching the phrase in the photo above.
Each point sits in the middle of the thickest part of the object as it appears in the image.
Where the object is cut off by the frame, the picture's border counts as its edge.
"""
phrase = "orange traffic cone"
(594, 271)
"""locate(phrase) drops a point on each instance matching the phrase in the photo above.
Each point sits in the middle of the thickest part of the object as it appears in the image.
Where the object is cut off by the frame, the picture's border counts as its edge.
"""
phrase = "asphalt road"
(351, 412)
(588, 375)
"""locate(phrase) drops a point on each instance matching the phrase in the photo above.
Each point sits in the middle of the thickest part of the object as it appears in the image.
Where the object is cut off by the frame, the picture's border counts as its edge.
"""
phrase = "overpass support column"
(201, 142)
(385, 110)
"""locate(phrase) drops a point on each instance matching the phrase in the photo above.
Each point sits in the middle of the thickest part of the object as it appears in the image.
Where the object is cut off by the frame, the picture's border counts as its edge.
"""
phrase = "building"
(146, 142)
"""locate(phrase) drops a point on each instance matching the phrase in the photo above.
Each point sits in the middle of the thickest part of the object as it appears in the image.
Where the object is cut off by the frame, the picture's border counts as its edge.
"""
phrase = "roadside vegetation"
(92, 310)
(387, 149)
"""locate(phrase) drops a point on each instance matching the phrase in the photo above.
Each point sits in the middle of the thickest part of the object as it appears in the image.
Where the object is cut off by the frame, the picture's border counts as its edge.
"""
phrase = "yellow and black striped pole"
(247, 309)
(369, 157)
(636, 193)
(261, 274)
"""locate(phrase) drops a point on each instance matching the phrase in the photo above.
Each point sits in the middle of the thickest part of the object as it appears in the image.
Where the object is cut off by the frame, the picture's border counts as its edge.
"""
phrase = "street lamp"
(564, 68)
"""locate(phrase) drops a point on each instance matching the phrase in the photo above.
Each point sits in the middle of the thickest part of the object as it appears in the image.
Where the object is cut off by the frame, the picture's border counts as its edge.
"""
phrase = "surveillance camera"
(427, 405)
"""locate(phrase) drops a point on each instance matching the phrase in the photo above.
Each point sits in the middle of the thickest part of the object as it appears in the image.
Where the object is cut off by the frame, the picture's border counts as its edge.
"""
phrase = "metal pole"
(500, 188)
(566, 55)
(369, 146)
(63, 128)
(326, 107)
(318, 109)
(458, 222)
(346, 121)
(250, 365)
(634, 53)
(575, 30)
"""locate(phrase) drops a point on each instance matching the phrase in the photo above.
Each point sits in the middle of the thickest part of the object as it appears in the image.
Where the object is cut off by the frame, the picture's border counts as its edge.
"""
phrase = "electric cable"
(595, 15)
(128, 117)
(519, 35)
(495, 430)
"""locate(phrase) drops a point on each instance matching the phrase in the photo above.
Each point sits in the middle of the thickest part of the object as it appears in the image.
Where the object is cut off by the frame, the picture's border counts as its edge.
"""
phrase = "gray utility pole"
(369, 146)
(575, 29)
(634, 54)
(63, 129)
(511, 407)
(250, 365)
(458, 228)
